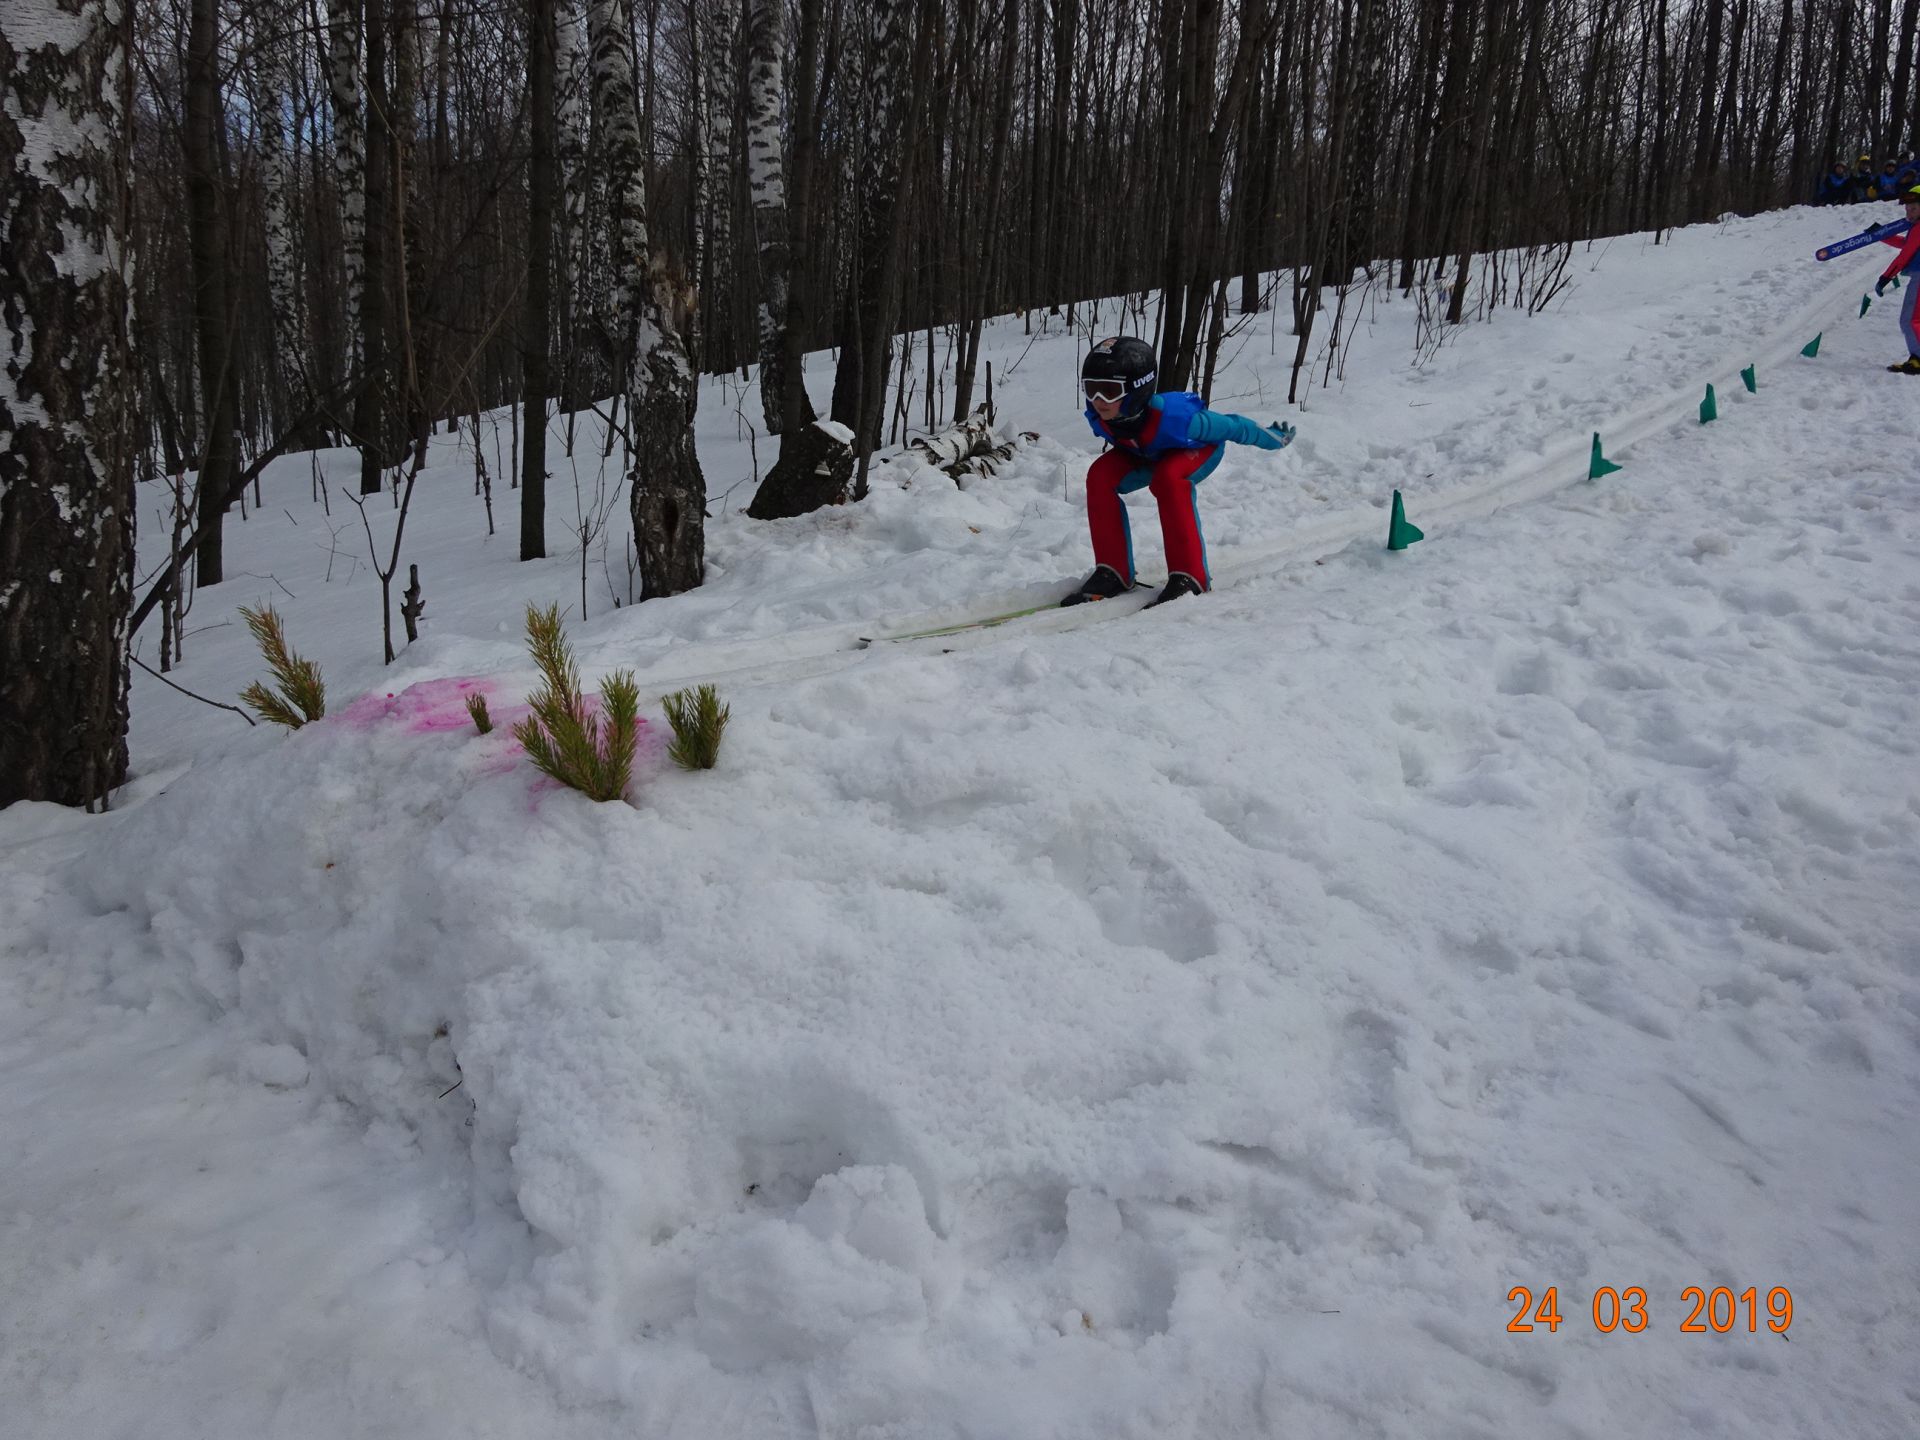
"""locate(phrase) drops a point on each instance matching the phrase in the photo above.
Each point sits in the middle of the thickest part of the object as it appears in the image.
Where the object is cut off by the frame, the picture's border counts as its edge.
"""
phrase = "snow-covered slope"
(1188, 1024)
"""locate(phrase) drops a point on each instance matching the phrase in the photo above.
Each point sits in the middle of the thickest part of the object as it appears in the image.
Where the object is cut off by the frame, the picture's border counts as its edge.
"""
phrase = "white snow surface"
(1184, 1024)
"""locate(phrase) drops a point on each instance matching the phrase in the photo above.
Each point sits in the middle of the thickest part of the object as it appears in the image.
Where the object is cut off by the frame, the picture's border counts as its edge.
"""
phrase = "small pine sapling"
(301, 696)
(698, 719)
(477, 708)
(562, 737)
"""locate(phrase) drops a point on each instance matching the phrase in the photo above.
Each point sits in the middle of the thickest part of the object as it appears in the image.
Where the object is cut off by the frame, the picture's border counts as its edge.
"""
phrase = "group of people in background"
(1863, 182)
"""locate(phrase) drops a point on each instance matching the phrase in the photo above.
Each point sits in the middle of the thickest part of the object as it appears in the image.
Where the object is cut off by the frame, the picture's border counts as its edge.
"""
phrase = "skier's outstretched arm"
(1909, 248)
(1211, 427)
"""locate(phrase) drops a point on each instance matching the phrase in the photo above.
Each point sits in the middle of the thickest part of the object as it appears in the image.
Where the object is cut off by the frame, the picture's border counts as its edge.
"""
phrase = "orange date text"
(1718, 1311)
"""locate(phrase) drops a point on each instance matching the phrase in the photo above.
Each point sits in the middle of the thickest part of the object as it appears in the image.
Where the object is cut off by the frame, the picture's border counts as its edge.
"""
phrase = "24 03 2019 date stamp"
(1718, 1311)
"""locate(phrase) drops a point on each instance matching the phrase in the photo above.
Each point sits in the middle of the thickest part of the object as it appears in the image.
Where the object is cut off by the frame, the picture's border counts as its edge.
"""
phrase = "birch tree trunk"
(371, 410)
(716, 259)
(279, 171)
(616, 116)
(571, 138)
(349, 166)
(766, 178)
(699, 125)
(668, 493)
(66, 441)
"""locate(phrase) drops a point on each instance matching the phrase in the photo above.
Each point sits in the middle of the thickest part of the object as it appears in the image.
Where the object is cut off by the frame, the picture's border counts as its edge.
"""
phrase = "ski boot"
(1179, 583)
(1908, 366)
(1103, 584)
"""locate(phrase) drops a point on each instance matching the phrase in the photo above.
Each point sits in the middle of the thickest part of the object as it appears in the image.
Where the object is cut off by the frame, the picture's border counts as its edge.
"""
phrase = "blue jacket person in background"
(1862, 179)
(1836, 186)
(1164, 443)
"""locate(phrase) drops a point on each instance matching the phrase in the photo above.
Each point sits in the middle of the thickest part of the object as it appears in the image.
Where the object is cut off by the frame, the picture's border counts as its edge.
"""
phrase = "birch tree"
(666, 489)
(571, 137)
(714, 156)
(276, 102)
(66, 447)
(766, 179)
(373, 407)
(349, 167)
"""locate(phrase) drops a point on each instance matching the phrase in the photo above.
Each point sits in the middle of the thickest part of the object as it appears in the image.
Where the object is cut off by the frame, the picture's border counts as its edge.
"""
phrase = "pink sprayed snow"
(436, 706)
(423, 708)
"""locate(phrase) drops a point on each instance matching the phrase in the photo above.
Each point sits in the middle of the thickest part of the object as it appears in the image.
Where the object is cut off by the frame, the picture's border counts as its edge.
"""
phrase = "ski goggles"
(1107, 391)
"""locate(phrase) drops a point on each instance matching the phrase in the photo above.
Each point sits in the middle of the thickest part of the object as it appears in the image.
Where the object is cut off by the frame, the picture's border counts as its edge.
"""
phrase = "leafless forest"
(430, 194)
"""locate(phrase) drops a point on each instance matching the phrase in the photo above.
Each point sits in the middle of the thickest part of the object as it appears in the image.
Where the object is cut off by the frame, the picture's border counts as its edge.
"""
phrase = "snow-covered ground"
(1184, 1024)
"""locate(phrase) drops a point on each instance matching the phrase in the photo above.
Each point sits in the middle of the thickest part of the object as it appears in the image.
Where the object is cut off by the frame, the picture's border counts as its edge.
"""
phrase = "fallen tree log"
(968, 448)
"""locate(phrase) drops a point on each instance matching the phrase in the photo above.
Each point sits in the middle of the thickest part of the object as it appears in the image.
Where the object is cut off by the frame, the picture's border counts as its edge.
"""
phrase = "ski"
(1870, 236)
(1134, 599)
(985, 624)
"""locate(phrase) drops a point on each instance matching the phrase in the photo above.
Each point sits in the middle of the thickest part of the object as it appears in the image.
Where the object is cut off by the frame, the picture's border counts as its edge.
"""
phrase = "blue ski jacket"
(1178, 421)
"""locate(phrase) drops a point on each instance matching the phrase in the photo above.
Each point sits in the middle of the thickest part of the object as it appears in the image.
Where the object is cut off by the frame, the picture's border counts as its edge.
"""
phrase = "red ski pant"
(1172, 478)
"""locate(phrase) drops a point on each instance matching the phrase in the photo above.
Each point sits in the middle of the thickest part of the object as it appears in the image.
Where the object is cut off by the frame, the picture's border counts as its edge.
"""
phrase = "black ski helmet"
(1128, 360)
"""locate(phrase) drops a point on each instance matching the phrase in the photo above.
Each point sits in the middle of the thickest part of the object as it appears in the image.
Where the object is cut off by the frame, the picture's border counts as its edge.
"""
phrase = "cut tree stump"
(815, 469)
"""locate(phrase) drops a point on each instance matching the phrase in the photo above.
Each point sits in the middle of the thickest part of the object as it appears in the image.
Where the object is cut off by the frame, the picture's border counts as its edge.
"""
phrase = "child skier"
(1907, 262)
(1166, 443)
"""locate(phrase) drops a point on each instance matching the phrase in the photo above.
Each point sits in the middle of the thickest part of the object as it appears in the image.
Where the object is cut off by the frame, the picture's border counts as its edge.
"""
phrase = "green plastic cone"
(1812, 347)
(1399, 533)
(1750, 379)
(1599, 465)
(1709, 410)
(1866, 303)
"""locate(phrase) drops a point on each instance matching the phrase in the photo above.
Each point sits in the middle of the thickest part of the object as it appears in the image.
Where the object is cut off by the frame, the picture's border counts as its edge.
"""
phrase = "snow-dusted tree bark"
(699, 126)
(570, 140)
(616, 116)
(277, 104)
(349, 164)
(668, 493)
(766, 179)
(66, 444)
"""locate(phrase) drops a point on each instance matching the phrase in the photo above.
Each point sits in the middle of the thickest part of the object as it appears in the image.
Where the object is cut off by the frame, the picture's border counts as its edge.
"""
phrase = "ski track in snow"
(1191, 1026)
